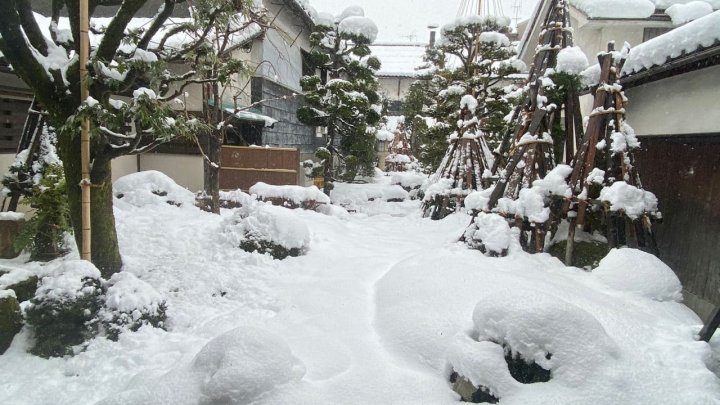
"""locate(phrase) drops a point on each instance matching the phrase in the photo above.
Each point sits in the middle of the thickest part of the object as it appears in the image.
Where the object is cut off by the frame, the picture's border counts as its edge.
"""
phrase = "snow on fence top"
(688, 38)
(631, 9)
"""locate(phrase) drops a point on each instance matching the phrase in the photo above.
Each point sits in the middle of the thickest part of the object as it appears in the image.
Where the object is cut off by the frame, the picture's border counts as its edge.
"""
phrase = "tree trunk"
(211, 165)
(105, 249)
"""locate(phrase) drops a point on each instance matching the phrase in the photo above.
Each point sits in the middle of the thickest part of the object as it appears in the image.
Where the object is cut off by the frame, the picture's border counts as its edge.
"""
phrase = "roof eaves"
(688, 62)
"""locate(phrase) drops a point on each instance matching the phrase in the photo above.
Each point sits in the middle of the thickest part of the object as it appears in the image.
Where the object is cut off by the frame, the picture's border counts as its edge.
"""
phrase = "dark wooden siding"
(12, 120)
(684, 173)
(242, 167)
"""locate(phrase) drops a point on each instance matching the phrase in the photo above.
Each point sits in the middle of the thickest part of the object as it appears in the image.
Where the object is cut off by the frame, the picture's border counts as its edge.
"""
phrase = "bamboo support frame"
(86, 248)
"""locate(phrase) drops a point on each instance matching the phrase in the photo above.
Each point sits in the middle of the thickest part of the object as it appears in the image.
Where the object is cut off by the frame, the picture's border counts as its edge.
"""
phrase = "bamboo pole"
(85, 251)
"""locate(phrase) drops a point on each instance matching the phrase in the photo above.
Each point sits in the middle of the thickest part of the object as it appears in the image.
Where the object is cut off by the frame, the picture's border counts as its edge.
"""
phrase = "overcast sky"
(407, 20)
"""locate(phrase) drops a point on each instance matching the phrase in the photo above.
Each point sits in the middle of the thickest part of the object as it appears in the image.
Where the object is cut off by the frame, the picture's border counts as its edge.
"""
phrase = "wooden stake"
(85, 250)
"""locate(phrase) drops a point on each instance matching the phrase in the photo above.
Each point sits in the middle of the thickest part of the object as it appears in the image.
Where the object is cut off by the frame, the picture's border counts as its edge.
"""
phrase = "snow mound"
(571, 60)
(240, 365)
(408, 180)
(151, 187)
(236, 198)
(268, 223)
(683, 13)
(553, 333)
(497, 38)
(637, 272)
(353, 195)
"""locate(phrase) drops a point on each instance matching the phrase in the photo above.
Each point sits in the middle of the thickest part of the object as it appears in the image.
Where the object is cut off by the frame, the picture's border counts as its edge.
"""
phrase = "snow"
(268, 223)
(65, 283)
(359, 26)
(468, 101)
(491, 230)
(296, 194)
(127, 293)
(11, 216)
(630, 199)
(636, 272)
(683, 13)
(5, 294)
(151, 187)
(496, 38)
(571, 60)
(683, 40)
(374, 313)
(615, 8)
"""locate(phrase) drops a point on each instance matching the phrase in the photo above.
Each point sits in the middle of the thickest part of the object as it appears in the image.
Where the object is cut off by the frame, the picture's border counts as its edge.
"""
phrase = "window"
(652, 32)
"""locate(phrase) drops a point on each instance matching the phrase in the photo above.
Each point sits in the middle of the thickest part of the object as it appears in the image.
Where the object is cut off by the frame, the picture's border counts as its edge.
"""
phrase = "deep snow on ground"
(375, 312)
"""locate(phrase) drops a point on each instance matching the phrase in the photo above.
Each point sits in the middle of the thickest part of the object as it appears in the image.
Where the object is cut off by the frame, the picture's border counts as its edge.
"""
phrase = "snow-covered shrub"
(64, 310)
(489, 233)
(20, 280)
(640, 273)
(290, 196)
(265, 228)
(10, 318)
(151, 188)
(519, 339)
(412, 182)
(241, 364)
(129, 304)
(235, 199)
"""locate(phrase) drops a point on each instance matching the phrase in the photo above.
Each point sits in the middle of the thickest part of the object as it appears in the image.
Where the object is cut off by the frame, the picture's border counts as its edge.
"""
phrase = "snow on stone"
(360, 26)
(483, 364)
(630, 199)
(267, 222)
(571, 60)
(615, 8)
(497, 38)
(65, 283)
(683, 13)
(151, 187)
(685, 39)
(127, 293)
(637, 272)
(296, 194)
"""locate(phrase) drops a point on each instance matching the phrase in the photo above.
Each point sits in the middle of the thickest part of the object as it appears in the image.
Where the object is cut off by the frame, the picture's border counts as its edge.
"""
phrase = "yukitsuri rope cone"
(539, 143)
(462, 170)
(608, 196)
(401, 156)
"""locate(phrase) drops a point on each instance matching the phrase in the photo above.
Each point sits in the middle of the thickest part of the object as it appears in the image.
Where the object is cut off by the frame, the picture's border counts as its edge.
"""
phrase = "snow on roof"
(701, 33)
(629, 9)
(399, 59)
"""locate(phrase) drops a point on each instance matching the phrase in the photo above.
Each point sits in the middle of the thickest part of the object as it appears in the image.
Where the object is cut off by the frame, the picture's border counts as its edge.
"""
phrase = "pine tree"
(347, 103)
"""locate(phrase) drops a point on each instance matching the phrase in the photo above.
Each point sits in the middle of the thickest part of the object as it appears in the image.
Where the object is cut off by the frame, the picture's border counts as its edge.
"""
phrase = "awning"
(246, 115)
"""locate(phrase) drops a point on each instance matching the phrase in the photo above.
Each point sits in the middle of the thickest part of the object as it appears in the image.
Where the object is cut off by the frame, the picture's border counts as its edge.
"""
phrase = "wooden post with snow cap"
(85, 249)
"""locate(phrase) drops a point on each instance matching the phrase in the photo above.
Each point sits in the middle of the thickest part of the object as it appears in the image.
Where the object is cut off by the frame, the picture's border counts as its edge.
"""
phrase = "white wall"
(394, 88)
(683, 104)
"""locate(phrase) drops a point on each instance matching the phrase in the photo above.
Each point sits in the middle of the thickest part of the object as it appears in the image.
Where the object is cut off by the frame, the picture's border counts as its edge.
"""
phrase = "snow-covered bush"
(243, 363)
(129, 304)
(64, 311)
(235, 199)
(640, 273)
(265, 228)
(489, 233)
(151, 188)
(517, 340)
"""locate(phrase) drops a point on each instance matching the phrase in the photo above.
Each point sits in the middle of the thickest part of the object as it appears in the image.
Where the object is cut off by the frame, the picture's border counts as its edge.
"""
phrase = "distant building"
(399, 69)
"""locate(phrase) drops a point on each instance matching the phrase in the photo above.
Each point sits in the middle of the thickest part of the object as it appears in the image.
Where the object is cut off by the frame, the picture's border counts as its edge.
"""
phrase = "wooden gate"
(243, 166)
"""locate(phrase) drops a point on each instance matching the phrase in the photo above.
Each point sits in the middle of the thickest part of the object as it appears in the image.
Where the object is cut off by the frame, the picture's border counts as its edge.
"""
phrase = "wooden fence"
(244, 166)
(684, 173)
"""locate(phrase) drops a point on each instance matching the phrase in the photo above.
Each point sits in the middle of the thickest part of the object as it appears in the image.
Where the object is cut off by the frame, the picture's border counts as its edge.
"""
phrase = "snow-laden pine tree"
(473, 57)
(344, 98)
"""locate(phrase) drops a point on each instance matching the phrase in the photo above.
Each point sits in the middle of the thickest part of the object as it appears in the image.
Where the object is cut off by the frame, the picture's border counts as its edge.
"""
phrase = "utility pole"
(85, 249)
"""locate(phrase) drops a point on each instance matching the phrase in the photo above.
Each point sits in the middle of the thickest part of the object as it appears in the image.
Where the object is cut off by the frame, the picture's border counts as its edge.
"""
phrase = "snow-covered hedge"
(265, 228)
(290, 196)
(490, 234)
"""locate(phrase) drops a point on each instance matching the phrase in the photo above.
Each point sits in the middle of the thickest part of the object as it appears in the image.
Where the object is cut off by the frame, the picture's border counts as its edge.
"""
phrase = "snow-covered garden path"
(374, 313)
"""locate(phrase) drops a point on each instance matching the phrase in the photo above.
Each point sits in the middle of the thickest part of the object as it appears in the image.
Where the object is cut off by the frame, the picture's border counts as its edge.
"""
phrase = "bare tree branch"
(30, 26)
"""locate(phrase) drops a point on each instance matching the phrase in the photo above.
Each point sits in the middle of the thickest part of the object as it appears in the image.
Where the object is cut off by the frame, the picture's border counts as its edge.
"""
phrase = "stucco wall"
(684, 104)
(394, 88)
